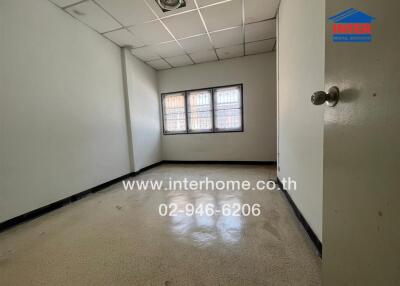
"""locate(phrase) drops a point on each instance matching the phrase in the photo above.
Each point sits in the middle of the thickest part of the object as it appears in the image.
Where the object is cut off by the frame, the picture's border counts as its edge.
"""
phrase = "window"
(199, 109)
(174, 115)
(228, 108)
(218, 109)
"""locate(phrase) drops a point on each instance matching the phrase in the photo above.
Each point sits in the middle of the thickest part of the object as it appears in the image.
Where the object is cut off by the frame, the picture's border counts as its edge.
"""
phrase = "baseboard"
(56, 205)
(147, 168)
(221, 162)
(314, 238)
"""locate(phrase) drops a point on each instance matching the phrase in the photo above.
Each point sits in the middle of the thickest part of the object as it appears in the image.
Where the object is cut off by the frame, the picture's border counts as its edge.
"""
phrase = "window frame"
(163, 119)
(187, 92)
(213, 130)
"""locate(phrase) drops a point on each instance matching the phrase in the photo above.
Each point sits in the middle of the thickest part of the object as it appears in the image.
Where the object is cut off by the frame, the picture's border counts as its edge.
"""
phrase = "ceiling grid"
(203, 31)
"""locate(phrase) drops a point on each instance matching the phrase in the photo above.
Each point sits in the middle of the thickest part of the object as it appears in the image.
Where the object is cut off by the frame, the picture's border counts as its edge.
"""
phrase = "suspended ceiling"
(203, 31)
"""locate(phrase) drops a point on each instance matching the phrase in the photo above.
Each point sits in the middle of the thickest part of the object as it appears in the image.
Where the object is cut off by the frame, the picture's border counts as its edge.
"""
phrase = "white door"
(361, 224)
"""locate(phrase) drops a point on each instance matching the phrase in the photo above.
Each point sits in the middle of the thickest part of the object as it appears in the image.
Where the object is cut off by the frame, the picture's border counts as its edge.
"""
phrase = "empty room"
(199, 142)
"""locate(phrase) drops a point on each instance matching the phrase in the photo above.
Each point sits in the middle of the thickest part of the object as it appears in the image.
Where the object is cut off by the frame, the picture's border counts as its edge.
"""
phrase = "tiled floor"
(117, 237)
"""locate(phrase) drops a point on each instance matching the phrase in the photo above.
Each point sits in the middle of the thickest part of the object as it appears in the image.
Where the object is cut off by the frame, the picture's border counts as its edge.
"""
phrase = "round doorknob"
(331, 98)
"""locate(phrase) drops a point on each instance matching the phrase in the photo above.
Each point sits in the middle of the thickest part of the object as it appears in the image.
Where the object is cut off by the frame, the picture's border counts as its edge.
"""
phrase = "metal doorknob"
(331, 98)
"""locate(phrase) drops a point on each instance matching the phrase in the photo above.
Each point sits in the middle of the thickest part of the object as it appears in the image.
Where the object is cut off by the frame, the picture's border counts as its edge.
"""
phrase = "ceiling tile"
(203, 3)
(167, 50)
(259, 47)
(185, 25)
(128, 12)
(196, 43)
(260, 31)
(123, 38)
(95, 17)
(189, 6)
(179, 61)
(258, 10)
(151, 33)
(159, 64)
(145, 53)
(64, 3)
(231, 52)
(229, 37)
(204, 56)
(223, 16)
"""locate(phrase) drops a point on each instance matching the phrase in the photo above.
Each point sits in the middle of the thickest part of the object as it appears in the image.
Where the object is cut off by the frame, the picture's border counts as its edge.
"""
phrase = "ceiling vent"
(169, 5)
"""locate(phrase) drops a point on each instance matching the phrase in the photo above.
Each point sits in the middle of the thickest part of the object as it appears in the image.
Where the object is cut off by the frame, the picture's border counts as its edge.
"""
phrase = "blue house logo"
(352, 25)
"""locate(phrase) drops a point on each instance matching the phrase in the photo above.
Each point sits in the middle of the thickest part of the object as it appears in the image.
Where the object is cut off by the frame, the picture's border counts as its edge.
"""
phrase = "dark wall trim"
(146, 168)
(56, 205)
(314, 238)
(221, 162)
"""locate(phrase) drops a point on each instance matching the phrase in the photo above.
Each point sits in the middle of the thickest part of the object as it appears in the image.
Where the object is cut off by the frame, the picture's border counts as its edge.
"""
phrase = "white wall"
(144, 110)
(300, 73)
(62, 116)
(258, 141)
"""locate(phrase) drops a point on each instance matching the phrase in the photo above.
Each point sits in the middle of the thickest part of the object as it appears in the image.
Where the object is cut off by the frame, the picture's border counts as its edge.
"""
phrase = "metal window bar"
(199, 111)
(218, 109)
(228, 108)
(174, 113)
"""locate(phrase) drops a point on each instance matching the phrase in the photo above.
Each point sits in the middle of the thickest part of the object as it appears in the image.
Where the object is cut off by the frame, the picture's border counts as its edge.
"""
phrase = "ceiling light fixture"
(169, 5)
